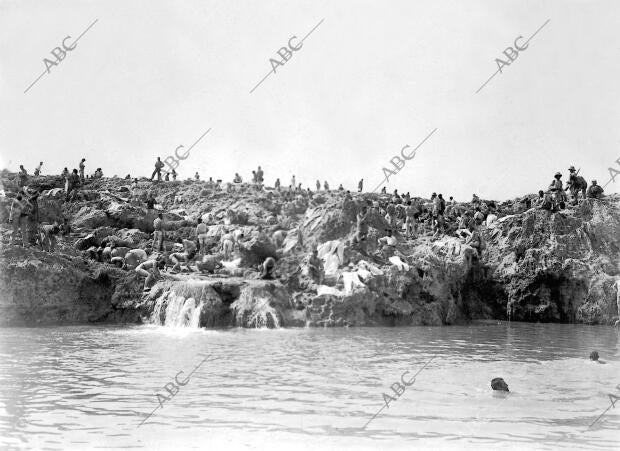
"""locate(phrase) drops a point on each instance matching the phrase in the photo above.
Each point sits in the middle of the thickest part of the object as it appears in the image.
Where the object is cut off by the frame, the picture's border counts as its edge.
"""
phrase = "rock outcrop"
(537, 265)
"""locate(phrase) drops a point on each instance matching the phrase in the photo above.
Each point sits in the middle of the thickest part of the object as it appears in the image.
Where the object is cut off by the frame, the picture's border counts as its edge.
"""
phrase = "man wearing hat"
(595, 191)
(576, 183)
(558, 194)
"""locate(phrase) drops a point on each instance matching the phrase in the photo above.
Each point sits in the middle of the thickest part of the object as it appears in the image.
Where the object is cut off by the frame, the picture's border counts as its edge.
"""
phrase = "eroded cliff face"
(537, 266)
(39, 288)
(560, 267)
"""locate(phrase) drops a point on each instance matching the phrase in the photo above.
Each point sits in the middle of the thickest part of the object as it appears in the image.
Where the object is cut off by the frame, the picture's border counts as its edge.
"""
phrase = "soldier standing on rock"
(158, 166)
(260, 177)
(22, 176)
(576, 183)
(72, 183)
(559, 196)
(37, 171)
(17, 217)
(82, 167)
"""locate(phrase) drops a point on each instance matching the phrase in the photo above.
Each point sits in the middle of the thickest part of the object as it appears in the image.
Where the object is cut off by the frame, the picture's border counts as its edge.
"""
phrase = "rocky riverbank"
(537, 265)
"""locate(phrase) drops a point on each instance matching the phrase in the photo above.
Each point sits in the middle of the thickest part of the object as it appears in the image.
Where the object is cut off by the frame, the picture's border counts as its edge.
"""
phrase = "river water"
(89, 387)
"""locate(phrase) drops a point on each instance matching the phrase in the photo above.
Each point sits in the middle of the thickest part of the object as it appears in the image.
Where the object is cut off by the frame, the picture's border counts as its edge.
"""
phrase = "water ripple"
(89, 387)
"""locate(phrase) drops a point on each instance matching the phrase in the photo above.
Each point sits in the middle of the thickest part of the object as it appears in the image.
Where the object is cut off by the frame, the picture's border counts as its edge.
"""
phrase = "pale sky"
(373, 77)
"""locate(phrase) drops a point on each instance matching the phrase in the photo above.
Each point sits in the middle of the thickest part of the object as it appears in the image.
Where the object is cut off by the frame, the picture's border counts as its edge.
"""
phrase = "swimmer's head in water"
(594, 356)
(499, 384)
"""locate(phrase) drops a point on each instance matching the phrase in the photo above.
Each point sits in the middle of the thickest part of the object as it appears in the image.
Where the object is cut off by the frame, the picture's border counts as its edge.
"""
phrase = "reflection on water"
(90, 387)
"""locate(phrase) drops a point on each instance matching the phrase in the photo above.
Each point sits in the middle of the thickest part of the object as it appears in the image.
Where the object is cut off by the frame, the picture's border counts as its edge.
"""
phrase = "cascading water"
(212, 303)
(253, 310)
(176, 311)
(181, 304)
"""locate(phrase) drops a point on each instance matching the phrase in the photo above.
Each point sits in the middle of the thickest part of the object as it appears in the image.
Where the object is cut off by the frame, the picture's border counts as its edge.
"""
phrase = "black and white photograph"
(309, 225)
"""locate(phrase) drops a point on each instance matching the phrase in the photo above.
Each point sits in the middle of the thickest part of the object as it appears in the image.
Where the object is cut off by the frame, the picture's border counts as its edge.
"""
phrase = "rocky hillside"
(537, 265)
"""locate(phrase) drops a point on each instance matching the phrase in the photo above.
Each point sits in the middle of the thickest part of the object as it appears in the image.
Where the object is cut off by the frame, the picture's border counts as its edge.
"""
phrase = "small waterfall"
(254, 310)
(264, 315)
(181, 304)
(176, 311)
(196, 303)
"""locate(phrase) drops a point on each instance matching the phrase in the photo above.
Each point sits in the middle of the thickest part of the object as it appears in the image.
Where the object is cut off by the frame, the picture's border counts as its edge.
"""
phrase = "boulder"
(84, 243)
(124, 214)
(90, 218)
(255, 251)
(178, 214)
(103, 232)
(132, 236)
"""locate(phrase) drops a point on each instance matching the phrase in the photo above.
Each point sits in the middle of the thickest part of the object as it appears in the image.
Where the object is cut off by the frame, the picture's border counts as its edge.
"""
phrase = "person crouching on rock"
(388, 240)
(117, 255)
(187, 256)
(150, 270)
(387, 245)
(268, 267)
(209, 263)
(133, 258)
(48, 237)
